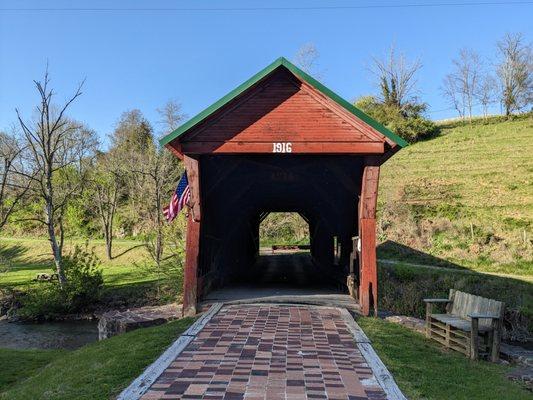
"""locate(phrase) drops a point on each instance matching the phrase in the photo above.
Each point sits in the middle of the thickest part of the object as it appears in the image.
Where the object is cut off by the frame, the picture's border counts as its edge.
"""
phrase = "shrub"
(84, 278)
(80, 293)
(409, 122)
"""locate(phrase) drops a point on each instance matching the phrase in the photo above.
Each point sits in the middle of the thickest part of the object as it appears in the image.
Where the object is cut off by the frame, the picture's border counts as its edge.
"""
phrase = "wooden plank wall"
(368, 277)
(282, 109)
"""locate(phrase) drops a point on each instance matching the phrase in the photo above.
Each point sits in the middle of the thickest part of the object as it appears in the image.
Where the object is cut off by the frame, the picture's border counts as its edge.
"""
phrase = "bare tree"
(463, 85)
(453, 94)
(59, 151)
(306, 59)
(486, 92)
(171, 116)
(13, 186)
(397, 79)
(515, 72)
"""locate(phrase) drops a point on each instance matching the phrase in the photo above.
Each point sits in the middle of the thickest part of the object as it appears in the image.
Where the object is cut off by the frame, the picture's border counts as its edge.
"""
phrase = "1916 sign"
(282, 147)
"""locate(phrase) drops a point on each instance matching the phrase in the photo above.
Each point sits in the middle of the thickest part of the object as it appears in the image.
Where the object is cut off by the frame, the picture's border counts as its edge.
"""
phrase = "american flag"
(180, 197)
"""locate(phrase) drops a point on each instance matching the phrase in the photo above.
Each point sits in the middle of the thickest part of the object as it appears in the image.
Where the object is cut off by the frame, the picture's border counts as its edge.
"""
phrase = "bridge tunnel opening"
(240, 194)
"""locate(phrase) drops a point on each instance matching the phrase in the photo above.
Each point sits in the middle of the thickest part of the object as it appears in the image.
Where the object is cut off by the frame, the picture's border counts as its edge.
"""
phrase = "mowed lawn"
(21, 259)
(424, 370)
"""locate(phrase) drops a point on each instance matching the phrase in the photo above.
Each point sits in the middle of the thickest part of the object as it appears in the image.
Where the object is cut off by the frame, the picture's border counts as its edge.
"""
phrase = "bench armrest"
(436, 300)
(488, 316)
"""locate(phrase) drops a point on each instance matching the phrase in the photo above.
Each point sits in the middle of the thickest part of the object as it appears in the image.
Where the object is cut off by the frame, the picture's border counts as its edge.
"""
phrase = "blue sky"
(140, 59)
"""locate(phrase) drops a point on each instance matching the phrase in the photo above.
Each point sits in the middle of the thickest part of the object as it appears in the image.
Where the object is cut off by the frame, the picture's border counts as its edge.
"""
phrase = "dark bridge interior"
(238, 191)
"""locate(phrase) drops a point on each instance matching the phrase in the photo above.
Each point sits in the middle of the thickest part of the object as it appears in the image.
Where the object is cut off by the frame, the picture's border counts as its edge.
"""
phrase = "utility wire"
(310, 8)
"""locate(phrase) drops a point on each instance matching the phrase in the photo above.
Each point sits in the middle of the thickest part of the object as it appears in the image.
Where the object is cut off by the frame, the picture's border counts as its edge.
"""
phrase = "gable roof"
(282, 62)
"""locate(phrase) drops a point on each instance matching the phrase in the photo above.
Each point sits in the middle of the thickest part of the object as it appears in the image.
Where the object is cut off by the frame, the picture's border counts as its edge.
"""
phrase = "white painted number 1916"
(282, 147)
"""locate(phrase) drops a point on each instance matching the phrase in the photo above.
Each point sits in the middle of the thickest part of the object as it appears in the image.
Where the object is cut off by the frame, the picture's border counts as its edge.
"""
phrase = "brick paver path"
(270, 352)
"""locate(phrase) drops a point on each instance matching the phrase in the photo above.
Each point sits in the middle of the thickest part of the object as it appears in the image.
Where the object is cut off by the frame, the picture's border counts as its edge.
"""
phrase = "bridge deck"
(284, 278)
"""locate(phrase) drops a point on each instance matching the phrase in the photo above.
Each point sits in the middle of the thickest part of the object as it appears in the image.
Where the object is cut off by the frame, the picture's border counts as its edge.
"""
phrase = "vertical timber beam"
(192, 246)
(193, 176)
(368, 276)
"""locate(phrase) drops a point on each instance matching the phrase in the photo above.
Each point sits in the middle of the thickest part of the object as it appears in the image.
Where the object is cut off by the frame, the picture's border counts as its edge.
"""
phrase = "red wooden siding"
(282, 109)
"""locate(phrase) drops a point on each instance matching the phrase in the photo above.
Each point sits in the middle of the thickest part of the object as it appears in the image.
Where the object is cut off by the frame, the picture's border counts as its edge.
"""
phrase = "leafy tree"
(13, 185)
(132, 133)
(409, 124)
(108, 185)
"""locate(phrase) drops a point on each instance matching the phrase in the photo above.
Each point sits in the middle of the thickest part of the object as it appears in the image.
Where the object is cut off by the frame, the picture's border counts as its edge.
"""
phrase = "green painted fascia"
(301, 74)
(221, 102)
(339, 100)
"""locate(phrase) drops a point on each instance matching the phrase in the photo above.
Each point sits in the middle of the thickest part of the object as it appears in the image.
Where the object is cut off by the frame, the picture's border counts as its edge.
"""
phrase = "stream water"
(49, 335)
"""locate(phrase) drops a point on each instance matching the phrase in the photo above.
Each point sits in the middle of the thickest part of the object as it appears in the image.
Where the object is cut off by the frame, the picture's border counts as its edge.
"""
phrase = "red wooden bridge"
(282, 141)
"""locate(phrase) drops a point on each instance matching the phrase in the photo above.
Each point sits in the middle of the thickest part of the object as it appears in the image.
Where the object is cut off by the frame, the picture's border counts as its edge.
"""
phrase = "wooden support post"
(447, 335)
(474, 339)
(193, 176)
(190, 278)
(368, 279)
(192, 246)
(496, 336)
(429, 311)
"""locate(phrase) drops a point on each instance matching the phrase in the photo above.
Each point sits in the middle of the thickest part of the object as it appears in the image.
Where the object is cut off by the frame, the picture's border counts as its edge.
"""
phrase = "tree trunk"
(159, 238)
(56, 250)
(108, 236)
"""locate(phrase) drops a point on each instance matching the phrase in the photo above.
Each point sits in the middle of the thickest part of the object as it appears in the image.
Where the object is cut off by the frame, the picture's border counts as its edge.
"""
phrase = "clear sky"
(141, 58)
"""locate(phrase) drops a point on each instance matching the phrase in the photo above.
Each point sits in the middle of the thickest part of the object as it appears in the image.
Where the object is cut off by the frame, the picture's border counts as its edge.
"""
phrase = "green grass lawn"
(23, 258)
(18, 365)
(465, 196)
(425, 370)
(97, 371)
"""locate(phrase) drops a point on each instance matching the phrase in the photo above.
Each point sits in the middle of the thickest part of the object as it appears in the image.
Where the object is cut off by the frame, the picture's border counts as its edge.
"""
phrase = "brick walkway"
(270, 352)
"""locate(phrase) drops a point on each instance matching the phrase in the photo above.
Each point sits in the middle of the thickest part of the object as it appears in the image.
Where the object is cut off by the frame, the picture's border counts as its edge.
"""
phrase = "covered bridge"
(282, 141)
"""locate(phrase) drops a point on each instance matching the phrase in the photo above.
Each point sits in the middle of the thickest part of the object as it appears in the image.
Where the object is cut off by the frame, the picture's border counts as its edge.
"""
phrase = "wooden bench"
(467, 318)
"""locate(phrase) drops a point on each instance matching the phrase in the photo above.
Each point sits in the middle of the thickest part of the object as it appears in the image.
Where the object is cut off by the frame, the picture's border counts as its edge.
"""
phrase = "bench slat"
(457, 322)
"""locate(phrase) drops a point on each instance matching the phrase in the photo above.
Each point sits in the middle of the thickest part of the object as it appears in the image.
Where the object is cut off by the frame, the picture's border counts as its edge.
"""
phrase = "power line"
(311, 8)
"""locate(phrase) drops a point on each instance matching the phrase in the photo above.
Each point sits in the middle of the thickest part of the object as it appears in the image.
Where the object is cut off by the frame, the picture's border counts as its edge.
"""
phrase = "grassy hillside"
(465, 196)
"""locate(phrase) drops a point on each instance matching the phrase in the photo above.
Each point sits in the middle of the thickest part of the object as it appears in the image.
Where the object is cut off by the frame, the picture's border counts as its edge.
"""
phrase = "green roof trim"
(302, 75)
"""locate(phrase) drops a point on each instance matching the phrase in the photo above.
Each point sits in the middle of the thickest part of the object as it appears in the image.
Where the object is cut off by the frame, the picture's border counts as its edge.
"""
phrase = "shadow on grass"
(11, 252)
(127, 251)
(391, 250)
(415, 275)
(14, 258)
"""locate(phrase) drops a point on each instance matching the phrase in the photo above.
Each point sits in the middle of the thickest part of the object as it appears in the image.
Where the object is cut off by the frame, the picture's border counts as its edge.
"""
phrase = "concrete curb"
(382, 374)
(143, 382)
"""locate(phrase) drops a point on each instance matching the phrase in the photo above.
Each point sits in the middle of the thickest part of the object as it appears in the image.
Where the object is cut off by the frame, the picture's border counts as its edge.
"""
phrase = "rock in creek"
(115, 322)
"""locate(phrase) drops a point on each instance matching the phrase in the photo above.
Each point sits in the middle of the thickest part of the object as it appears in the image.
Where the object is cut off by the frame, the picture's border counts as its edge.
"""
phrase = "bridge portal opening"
(278, 222)
(283, 231)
